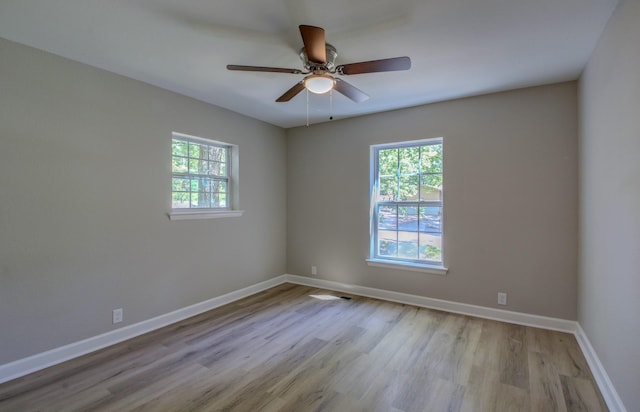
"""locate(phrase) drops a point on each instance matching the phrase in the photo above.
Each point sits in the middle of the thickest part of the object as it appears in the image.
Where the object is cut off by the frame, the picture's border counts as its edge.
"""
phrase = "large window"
(407, 203)
(200, 174)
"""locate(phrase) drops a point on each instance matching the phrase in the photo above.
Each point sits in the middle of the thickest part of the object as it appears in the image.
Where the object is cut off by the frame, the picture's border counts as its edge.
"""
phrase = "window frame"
(231, 180)
(429, 266)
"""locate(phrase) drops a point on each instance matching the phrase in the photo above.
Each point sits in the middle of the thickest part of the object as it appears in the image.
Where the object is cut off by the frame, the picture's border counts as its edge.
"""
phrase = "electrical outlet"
(502, 298)
(314, 270)
(117, 315)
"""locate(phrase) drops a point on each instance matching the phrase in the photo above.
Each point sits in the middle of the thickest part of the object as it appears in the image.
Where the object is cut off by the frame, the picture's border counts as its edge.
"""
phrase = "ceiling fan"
(319, 58)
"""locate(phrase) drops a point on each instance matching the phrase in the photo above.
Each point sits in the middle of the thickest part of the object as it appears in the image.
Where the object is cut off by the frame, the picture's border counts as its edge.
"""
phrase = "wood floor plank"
(263, 377)
(487, 354)
(407, 337)
(198, 393)
(284, 350)
(382, 389)
(450, 351)
(394, 350)
(79, 379)
(486, 393)
(545, 387)
(429, 393)
(581, 395)
(318, 371)
(514, 359)
(129, 400)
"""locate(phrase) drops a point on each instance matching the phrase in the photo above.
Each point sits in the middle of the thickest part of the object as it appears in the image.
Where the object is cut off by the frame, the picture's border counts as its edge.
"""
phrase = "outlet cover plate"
(502, 298)
(117, 315)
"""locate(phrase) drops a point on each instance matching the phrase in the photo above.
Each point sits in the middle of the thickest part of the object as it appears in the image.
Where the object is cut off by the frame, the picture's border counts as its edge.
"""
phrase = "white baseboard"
(607, 389)
(519, 318)
(55, 356)
(58, 355)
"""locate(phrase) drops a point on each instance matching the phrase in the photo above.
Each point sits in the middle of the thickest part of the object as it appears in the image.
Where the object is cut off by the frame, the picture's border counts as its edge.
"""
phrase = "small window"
(407, 203)
(201, 175)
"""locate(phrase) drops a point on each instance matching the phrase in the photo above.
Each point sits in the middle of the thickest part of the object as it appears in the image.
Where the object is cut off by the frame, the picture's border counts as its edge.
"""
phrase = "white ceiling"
(458, 47)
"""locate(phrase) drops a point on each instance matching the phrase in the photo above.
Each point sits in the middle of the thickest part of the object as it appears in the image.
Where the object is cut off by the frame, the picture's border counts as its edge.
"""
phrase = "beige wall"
(609, 282)
(520, 237)
(84, 189)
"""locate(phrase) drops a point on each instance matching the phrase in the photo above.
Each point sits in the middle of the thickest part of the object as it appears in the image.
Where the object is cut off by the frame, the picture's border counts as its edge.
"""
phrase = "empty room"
(287, 205)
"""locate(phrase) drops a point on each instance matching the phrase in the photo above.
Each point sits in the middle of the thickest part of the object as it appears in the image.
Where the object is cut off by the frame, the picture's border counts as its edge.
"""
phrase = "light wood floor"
(283, 350)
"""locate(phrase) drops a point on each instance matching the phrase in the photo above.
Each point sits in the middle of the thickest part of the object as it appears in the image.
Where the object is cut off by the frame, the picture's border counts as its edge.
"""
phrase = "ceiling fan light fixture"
(319, 83)
(318, 58)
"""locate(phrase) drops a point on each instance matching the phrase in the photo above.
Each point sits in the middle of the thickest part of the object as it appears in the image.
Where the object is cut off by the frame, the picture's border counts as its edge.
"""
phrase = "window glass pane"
(218, 154)
(388, 162)
(431, 158)
(388, 189)
(194, 150)
(409, 160)
(431, 187)
(430, 246)
(219, 186)
(180, 200)
(179, 165)
(432, 179)
(200, 200)
(387, 243)
(431, 219)
(207, 200)
(388, 217)
(179, 148)
(199, 167)
(201, 184)
(209, 185)
(408, 245)
(195, 185)
(194, 166)
(408, 218)
(217, 169)
(180, 184)
(213, 192)
(408, 188)
(220, 200)
(205, 167)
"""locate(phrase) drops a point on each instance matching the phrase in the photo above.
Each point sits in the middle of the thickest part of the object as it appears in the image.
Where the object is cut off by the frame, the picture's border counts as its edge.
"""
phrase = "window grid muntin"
(397, 203)
(208, 175)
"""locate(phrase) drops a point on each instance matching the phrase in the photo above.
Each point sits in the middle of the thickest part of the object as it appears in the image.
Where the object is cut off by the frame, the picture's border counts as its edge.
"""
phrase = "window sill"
(209, 214)
(416, 267)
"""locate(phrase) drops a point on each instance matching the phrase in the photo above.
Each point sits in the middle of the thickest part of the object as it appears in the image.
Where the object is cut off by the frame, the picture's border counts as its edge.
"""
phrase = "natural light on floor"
(325, 297)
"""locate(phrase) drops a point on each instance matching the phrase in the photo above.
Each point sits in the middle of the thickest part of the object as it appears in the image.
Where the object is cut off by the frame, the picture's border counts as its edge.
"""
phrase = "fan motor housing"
(332, 53)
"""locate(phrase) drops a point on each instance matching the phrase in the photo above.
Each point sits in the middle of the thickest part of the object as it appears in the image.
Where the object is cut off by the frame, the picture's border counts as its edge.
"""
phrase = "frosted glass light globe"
(319, 83)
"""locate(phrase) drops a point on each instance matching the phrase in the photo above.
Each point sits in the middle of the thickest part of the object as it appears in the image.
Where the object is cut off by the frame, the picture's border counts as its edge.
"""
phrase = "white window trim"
(414, 267)
(427, 267)
(197, 214)
(208, 214)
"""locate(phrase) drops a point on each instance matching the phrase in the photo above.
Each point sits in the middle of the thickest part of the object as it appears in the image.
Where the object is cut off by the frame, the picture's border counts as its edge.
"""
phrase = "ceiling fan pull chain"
(307, 107)
(331, 104)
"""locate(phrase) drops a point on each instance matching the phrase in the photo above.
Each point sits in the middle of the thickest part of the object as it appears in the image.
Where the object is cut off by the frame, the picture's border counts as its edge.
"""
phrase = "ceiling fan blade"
(351, 91)
(314, 43)
(262, 69)
(374, 66)
(291, 93)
